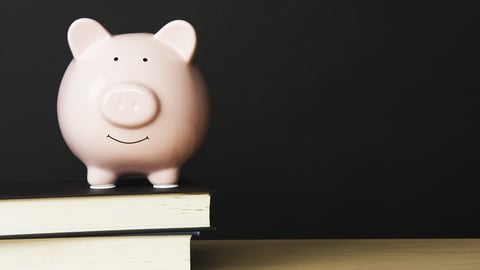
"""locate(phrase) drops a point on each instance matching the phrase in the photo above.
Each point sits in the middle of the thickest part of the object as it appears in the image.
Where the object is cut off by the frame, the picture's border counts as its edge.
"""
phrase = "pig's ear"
(179, 35)
(83, 33)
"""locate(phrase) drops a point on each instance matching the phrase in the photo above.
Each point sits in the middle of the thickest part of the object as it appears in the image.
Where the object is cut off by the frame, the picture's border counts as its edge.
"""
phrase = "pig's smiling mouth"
(125, 142)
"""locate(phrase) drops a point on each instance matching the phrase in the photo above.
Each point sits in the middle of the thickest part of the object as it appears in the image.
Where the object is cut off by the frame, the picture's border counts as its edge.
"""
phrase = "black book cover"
(125, 186)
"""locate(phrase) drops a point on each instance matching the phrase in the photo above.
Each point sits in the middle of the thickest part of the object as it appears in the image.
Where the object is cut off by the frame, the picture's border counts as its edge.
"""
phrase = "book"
(122, 252)
(45, 209)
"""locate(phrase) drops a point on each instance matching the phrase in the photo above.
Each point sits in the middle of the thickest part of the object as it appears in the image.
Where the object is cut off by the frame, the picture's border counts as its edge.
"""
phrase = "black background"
(330, 119)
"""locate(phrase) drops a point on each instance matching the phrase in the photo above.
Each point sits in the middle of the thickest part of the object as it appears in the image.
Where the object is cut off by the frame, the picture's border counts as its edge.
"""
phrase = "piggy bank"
(132, 103)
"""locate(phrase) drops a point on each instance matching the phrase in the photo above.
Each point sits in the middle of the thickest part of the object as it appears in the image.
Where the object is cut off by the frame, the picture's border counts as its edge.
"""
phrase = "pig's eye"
(115, 59)
(145, 59)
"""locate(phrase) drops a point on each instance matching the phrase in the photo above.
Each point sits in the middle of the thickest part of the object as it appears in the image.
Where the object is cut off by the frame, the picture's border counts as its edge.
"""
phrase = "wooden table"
(438, 254)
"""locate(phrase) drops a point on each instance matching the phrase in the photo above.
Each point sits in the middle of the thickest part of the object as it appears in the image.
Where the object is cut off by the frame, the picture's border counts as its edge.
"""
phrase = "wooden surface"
(448, 254)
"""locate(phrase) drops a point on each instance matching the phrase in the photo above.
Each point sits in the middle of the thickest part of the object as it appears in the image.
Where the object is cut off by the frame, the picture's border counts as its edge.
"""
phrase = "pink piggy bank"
(132, 103)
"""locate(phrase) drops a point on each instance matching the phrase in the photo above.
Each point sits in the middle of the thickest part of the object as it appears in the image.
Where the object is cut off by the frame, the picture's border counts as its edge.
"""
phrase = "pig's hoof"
(108, 186)
(166, 178)
(165, 186)
(100, 178)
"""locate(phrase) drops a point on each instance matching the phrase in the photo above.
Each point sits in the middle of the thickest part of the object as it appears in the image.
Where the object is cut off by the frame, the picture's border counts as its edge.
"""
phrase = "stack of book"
(66, 225)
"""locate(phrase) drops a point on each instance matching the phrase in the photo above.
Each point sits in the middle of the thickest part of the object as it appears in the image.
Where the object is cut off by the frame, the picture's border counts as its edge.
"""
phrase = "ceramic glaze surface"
(132, 103)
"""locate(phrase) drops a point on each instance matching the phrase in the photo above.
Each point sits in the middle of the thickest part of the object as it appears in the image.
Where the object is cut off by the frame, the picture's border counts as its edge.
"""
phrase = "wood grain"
(425, 254)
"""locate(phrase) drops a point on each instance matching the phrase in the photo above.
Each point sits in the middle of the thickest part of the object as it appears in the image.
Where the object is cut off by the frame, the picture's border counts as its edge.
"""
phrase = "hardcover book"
(45, 209)
(140, 252)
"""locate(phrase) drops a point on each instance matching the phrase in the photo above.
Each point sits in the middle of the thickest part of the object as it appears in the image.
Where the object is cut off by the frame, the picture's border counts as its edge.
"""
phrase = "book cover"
(125, 186)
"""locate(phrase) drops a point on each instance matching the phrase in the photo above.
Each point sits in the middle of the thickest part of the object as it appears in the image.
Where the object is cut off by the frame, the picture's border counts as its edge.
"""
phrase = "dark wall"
(329, 118)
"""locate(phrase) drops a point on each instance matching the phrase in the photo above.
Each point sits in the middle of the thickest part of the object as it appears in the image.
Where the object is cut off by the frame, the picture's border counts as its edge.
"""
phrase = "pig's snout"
(129, 105)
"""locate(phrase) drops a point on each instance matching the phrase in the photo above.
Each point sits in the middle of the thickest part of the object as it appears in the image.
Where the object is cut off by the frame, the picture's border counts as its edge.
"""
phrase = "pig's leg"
(165, 178)
(100, 178)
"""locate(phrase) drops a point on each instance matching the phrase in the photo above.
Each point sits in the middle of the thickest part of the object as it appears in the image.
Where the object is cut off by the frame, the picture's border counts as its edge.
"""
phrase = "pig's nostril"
(136, 106)
(120, 105)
